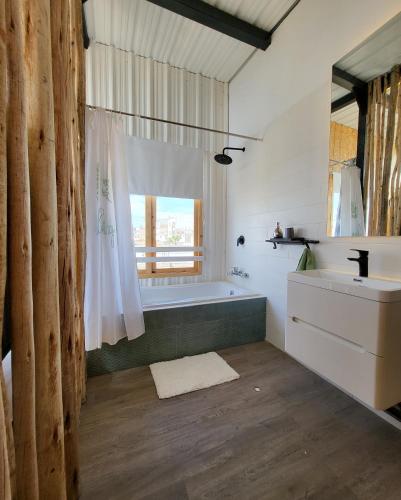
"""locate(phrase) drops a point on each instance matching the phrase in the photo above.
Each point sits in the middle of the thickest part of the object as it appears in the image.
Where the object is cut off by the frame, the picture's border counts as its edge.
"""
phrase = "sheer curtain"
(113, 306)
(350, 218)
(124, 81)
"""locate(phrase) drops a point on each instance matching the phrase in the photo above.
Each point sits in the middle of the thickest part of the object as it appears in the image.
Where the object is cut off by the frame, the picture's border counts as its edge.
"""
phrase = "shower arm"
(235, 149)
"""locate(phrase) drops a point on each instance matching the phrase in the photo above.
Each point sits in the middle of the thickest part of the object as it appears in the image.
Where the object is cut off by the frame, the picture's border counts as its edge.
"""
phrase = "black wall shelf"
(293, 241)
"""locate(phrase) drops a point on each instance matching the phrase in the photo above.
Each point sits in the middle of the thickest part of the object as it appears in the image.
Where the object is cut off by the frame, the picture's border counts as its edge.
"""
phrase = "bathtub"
(184, 320)
(161, 297)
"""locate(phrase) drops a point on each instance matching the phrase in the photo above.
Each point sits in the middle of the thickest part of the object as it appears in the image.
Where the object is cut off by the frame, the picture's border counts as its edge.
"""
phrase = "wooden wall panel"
(343, 143)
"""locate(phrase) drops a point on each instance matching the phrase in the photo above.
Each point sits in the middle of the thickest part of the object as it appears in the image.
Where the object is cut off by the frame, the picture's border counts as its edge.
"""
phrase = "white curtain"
(113, 306)
(124, 81)
(350, 218)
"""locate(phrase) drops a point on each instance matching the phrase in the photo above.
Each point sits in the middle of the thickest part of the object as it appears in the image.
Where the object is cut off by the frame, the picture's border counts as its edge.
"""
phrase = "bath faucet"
(363, 261)
(235, 271)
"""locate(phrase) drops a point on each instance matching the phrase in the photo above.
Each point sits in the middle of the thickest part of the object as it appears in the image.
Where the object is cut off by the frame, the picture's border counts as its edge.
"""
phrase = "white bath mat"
(191, 373)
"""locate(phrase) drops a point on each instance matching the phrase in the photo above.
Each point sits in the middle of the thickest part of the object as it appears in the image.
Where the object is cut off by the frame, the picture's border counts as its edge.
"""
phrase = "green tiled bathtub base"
(185, 331)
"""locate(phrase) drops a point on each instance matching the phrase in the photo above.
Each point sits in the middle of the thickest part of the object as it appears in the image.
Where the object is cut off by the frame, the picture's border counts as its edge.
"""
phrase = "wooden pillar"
(63, 91)
(5, 475)
(49, 408)
(20, 261)
(77, 49)
(80, 191)
(5, 469)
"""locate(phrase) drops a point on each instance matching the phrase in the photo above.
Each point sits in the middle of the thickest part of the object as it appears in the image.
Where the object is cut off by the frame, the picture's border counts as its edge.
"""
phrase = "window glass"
(165, 223)
(175, 227)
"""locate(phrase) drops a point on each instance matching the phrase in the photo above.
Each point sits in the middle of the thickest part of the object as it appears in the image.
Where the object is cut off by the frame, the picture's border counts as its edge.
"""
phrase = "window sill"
(175, 274)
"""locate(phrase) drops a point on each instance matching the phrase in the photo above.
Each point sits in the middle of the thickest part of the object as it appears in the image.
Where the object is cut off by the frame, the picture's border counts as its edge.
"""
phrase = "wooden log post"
(20, 261)
(63, 91)
(78, 124)
(388, 153)
(395, 178)
(5, 468)
(78, 69)
(5, 472)
(368, 183)
(397, 187)
(49, 407)
(379, 145)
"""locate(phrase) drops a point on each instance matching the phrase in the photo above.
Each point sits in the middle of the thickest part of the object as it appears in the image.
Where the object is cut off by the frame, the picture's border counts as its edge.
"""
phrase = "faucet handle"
(362, 253)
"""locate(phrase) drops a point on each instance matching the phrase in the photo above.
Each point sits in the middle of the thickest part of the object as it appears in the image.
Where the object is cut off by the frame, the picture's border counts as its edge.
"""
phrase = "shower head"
(224, 159)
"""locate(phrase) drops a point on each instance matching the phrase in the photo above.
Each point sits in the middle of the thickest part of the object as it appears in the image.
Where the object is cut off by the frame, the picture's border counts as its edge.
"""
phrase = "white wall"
(283, 95)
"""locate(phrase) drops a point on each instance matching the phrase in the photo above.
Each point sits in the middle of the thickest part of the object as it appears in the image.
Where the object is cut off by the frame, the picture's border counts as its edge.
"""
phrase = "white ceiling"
(151, 31)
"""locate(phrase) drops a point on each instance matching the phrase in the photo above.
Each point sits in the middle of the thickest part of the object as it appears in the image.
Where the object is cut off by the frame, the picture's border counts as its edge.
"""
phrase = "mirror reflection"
(364, 195)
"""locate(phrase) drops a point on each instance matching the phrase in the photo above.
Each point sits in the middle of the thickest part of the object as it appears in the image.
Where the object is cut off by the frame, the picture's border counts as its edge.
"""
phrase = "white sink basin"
(348, 329)
(378, 289)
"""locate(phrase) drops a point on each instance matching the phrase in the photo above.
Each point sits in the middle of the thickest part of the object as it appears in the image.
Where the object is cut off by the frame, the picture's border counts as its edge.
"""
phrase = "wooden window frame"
(151, 270)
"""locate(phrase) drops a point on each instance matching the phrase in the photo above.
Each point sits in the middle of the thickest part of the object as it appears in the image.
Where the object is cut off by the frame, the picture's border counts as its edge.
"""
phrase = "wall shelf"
(292, 241)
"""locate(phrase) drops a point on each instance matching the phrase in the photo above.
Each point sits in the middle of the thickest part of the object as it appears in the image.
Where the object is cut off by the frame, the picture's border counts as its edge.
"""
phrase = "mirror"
(364, 195)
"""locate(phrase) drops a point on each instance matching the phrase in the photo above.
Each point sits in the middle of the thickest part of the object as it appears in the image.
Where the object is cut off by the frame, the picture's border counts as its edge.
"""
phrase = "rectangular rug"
(191, 373)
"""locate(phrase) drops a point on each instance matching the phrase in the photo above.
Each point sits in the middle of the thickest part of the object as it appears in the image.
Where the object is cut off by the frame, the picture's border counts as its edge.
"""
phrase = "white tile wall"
(284, 178)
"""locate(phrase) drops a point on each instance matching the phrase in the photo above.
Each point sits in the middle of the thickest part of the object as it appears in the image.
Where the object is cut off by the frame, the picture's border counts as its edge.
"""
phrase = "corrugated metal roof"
(347, 116)
(373, 57)
(337, 92)
(377, 54)
(151, 31)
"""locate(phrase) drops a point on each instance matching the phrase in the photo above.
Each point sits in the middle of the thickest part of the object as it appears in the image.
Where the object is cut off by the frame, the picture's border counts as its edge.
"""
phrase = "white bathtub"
(162, 297)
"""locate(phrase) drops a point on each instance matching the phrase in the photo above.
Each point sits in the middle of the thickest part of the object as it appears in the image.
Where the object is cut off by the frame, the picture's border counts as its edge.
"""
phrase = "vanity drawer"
(345, 364)
(354, 319)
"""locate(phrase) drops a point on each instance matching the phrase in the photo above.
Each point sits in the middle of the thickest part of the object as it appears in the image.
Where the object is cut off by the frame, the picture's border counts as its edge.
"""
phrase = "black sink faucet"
(363, 261)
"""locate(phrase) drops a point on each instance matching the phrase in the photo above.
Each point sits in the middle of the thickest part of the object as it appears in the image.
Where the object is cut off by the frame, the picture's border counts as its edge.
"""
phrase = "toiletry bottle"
(278, 233)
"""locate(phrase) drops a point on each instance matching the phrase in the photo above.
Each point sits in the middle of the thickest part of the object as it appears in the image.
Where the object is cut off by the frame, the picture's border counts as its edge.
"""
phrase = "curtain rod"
(169, 122)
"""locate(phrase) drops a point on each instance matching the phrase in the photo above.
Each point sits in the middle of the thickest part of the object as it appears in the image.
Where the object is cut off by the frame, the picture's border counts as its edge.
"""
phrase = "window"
(167, 235)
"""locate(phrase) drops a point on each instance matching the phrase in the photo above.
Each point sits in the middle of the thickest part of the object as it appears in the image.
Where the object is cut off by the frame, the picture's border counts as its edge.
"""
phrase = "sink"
(379, 289)
(348, 329)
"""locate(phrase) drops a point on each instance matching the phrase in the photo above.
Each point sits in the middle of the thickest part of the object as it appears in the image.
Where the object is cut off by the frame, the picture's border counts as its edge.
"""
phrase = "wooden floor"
(297, 438)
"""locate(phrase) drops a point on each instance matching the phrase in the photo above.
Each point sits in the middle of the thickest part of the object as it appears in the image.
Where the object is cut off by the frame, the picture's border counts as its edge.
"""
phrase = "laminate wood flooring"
(297, 438)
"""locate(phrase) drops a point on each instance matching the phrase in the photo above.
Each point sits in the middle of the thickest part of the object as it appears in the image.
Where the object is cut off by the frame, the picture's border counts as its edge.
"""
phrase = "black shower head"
(224, 159)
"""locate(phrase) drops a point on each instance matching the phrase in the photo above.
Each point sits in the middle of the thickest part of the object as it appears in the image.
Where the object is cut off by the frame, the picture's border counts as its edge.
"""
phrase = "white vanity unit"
(348, 329)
